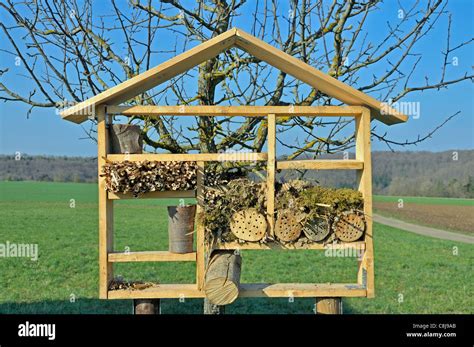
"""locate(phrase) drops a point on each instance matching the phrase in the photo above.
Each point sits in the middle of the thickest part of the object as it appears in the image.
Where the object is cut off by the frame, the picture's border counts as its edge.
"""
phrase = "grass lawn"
(425, 200)
(426, 272)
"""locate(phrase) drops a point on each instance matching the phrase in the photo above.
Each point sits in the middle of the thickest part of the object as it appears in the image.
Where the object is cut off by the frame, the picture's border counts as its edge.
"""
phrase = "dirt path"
(422, 230)
(453, 218)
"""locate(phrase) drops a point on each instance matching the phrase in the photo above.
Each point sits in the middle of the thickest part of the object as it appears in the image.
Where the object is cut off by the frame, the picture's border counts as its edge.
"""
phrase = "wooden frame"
(362, 163)
(105, 105)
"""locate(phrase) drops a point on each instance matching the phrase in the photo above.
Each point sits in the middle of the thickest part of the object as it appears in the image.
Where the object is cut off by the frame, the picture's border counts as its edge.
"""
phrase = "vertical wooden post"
(271, 142)
(329, 306)
(200, 237)
(105, 207)
(364, 180)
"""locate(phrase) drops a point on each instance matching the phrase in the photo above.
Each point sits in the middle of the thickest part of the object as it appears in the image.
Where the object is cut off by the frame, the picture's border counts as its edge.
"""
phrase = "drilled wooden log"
(146, 306)
(248, 225)
(349, 226)
(288, 226)
(222, 280)
(125, 139)
(317, 228)
(329, 306)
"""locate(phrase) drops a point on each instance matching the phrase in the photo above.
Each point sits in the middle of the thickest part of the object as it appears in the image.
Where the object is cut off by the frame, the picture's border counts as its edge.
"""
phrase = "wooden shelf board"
(161, 291)
(301, 290)
(329, 164)
(237, 156)
(169, 194)
(245, 111)
(277, 245)
(279, 290)
(150, 256)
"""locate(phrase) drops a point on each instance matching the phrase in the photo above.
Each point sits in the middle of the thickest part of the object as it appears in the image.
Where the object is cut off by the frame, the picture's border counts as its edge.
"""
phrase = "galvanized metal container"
(181, 228)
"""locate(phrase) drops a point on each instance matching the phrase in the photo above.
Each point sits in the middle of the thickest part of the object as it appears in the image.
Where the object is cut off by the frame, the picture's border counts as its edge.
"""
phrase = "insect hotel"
(293, 215)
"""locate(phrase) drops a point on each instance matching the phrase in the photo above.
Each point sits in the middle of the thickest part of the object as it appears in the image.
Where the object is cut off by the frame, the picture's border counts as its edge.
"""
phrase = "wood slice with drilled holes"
(248, 225)
(317, 228)
(349, 226)
(288, 226)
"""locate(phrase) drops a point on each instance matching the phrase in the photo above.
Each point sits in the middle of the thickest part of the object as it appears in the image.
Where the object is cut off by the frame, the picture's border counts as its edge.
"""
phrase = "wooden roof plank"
(211, 48)
(153, 77)
(313, 77)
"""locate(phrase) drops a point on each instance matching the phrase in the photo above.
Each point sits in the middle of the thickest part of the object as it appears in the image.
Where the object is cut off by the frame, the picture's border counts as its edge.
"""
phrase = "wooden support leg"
(328, 306)
(364, 178)
(106, 215)
(212, 309)
(146, 306)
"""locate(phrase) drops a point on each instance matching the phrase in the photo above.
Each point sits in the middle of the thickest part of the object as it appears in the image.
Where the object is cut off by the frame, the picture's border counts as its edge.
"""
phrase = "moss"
(338, 199)
(221, 202)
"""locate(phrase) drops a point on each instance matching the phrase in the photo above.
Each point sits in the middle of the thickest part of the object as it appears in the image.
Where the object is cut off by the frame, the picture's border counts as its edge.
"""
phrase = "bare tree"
(70, 50)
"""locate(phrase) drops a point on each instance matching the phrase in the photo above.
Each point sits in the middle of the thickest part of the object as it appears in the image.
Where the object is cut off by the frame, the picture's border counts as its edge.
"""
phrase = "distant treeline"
(48, 168)
(443, 174)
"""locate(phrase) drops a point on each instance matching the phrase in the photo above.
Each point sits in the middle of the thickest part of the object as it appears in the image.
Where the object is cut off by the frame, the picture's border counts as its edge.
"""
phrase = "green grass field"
(425, 200)
(424, 271)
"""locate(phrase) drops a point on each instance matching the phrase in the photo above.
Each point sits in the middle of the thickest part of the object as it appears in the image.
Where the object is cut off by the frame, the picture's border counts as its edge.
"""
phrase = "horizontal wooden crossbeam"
(320, 164)
(246, 111)
(125, 257)
(169, 194)
(279, 290)
(162, 291)
(301, 290)
(276, 245)
(237, 156)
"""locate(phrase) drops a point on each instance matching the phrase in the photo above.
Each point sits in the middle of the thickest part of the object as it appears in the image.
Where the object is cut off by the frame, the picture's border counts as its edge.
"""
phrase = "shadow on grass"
(168, 306)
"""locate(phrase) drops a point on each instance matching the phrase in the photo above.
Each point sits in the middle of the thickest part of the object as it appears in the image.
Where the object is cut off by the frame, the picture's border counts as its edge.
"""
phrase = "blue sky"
(45, 133)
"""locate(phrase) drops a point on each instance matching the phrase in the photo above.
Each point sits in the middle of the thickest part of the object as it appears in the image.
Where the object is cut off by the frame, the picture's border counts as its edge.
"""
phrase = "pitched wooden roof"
(256, 47)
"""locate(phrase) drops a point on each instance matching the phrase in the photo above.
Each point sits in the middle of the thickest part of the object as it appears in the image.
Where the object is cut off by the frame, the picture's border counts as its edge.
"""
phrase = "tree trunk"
(223, 277)
(329, 306)
(146, 306)
(125, 139)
